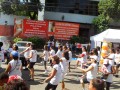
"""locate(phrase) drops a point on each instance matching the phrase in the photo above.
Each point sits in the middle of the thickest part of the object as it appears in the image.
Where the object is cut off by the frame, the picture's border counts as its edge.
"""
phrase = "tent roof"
(110, 35)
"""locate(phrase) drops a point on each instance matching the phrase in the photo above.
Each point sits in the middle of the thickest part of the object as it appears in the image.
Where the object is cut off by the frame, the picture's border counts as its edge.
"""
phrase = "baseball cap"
(14, 53)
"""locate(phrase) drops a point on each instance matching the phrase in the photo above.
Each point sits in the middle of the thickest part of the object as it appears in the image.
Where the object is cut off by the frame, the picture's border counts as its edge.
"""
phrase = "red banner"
(63, 30)
(35, 28)
(29, 28)
(45, 29)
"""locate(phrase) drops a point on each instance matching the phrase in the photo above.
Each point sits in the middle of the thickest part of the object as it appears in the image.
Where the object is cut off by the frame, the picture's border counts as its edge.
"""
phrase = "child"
(45, 56)
(55, 76)
(3, 80)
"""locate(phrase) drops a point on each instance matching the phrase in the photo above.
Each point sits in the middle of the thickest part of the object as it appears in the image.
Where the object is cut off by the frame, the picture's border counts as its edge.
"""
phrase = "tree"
(110, 8)
(109, 11)
(27, 8)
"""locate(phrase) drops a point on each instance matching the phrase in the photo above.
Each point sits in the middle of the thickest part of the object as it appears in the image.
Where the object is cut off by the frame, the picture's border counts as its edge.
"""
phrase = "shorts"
(85, 80)
(31, 65)
(117, 65)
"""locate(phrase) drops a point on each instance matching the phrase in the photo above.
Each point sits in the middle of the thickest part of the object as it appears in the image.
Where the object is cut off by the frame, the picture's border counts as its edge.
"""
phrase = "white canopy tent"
(109, 35)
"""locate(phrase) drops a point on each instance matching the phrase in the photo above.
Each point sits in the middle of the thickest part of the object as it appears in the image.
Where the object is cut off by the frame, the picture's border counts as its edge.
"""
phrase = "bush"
(39, 42)
(78, 39)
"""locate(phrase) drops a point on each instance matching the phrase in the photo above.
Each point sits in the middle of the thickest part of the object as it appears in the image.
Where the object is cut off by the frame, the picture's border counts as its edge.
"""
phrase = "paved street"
(71, 80)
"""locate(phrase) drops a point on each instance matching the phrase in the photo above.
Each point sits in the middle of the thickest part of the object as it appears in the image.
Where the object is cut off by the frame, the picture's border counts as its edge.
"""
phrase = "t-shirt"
(15, 67)
(59, 53)
(111, 56)
(57, 78)
(84, 57)
(52, 52)
(70, 56)
(64, 64)
(26, 54)
(46, 55)
(34, 57)
(117, 58)
(93, 73)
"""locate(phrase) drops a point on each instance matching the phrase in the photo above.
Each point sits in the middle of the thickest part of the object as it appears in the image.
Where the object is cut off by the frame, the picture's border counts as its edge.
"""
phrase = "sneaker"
(45, 72)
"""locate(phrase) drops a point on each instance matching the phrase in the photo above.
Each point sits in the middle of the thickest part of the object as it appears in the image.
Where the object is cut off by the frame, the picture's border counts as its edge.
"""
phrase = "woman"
(91, 72)
(96, 84)
(108, 71)
(111, 57)
(59, 52)
(45, 56)
(55, 76)
(64, 66)
(82, 58)
(14, 66)
(117, 62)
(32, 58)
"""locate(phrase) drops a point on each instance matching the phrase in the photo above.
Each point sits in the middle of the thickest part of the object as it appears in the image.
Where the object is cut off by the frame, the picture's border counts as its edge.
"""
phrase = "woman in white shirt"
(52, 53)
(59, 52)
(32, 58)
(70, 57)
(111, 57)
(45, 56)
(82, 58)
(55, 76)
(91, 72)
(64, 66)
(14, 66)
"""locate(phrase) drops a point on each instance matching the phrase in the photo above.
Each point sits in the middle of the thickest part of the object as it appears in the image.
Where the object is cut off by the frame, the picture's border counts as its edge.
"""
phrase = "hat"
(14, 53)
(106, 61)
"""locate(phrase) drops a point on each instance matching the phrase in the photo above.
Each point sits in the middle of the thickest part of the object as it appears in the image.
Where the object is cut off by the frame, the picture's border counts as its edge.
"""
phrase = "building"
(77, 11)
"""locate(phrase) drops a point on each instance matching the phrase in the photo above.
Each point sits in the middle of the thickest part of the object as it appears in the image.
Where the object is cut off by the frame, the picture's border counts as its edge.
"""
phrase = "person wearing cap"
(14, 66)
(108, 71)
(91, 72)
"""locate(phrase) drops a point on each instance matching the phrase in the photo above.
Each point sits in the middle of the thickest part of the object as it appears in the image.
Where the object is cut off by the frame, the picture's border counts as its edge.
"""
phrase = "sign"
(63, 30)
(35, 28)
(28, 28)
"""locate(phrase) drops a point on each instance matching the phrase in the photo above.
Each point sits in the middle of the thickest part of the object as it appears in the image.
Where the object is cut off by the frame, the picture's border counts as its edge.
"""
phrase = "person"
(99, 53)
(14, 66)
(26, 54)
(52, 53)
(32, 60)
(59, 52)
(91, 72)
(107, 71)
(45, 55)
(64, 66)
(117, 61)
(15, 82)
(3, 80)
(82, 58)
(96, 84)
(55, 76)
(111, 57)
(70, 57)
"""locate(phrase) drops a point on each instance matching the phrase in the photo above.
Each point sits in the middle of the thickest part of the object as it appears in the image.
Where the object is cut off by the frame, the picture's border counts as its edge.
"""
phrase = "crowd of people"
(59, 59)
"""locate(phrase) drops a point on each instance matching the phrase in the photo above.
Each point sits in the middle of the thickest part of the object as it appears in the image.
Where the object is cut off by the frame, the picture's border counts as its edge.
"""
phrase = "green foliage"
(39, 42)
(109, 12)
(78, 39)
(110, 8)
(101, 23)
(22, 9)
(17, 39)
